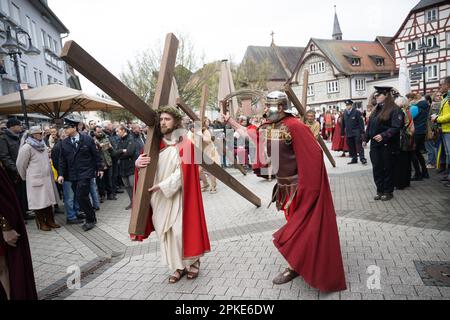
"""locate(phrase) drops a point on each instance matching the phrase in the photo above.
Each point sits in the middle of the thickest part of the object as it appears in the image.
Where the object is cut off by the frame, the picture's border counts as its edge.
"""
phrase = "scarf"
(38, 145)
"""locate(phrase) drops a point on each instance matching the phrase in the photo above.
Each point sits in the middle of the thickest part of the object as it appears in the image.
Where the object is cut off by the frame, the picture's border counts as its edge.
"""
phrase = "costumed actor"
(176, 208)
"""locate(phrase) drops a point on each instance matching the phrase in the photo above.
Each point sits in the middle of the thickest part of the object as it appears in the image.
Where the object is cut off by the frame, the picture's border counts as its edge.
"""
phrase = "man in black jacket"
(353, 127)
(9, 150)
(126, 153)
(80, 159)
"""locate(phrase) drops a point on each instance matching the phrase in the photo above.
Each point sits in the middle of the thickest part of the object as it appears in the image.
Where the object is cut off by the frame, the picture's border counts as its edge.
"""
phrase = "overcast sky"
(115, 31)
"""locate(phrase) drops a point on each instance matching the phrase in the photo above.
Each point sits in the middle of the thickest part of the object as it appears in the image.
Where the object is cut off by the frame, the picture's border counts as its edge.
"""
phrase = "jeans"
(94, 194)
(129, 185)
(70, 204)
(431, 150)
(446, 139)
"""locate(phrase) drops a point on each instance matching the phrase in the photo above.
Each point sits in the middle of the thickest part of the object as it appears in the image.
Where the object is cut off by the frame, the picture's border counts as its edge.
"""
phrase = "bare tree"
(252, 75)
(141, 73)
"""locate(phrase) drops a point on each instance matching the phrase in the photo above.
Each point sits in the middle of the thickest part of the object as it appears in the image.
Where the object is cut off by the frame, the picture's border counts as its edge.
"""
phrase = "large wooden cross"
(301, 107)
(84, 63)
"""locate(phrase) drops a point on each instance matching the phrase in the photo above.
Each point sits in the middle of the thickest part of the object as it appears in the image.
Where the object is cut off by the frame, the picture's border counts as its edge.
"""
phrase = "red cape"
(310, 239)
(195, 234)
(339, 143)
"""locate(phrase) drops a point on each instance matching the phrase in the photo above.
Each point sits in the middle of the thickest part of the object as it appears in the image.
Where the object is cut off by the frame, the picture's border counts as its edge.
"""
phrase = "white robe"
(167, 207)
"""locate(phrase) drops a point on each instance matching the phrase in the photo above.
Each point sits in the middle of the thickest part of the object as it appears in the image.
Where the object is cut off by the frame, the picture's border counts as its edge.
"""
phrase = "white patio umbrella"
(404, 81)
(55, 101)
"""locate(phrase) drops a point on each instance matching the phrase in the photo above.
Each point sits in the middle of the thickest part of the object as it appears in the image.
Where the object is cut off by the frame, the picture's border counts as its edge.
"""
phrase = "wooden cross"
(302, 111)
(78, 58)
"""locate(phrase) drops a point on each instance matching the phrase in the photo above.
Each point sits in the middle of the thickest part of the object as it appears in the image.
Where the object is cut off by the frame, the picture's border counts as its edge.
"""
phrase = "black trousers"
(417, 157)
(355, 147)
(81, 189)
(105, 184)
(21, 191)
(402, 168)
(383, 162)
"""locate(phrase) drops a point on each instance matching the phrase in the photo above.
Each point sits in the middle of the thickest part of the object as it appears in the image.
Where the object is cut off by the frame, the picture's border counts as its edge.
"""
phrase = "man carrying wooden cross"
(309, 241)
(176, 214)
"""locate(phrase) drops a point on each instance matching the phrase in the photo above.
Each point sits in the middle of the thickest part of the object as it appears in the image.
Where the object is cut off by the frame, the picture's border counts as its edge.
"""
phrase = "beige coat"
(34, 168)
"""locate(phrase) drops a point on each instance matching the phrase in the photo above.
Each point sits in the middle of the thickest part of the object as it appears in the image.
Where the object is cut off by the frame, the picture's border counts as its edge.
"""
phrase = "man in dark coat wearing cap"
(353, 128)
(80, 159)
(9, 150)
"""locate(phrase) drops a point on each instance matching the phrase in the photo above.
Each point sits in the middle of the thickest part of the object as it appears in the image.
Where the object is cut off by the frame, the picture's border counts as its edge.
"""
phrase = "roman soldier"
(310, 240)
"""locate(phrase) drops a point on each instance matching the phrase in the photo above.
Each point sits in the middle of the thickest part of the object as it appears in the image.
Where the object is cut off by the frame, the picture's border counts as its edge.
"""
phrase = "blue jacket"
(420, 121)
(352, 124)
(79, 163)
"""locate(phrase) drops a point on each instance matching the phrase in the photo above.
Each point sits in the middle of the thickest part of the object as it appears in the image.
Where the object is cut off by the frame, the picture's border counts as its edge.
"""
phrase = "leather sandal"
(177, 276)
(287, 276)
(193, 275)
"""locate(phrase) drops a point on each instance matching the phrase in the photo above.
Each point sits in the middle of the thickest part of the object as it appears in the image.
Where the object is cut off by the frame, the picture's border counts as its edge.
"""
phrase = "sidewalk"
(401, 237)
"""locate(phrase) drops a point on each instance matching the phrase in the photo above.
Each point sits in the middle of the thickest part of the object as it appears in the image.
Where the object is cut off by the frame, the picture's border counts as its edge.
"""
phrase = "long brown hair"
(389, 106)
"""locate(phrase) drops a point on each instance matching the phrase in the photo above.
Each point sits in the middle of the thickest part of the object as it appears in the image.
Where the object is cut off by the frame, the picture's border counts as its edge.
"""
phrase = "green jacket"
(444, 116)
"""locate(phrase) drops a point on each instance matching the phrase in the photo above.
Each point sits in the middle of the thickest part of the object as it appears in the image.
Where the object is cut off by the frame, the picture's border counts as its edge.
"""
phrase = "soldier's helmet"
(276, 98)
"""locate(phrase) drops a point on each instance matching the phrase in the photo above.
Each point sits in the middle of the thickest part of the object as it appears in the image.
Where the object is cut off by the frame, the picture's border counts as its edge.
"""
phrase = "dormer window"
(379, 62)
(356, 62)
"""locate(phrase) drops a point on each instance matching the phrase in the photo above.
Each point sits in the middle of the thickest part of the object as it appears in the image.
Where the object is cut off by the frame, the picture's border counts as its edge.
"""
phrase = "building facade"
(46, 31)
(340, 70)
(427, 24)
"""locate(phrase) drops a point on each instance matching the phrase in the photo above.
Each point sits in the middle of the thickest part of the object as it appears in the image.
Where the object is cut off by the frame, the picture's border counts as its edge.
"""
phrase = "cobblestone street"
(398, 237)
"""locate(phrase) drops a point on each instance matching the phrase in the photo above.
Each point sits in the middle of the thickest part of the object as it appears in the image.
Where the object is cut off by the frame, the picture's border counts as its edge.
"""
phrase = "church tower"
(337, 32)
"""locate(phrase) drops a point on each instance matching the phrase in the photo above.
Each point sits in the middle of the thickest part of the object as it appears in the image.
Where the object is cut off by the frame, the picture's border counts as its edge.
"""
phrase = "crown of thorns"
(173, 111)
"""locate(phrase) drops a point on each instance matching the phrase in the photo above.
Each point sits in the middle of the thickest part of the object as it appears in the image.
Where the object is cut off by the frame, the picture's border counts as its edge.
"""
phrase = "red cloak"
(339, 142)
(195, 234)
(310, 239)
(18, 259)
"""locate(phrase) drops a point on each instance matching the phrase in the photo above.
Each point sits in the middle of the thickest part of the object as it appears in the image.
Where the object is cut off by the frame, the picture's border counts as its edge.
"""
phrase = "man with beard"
(176, 208)
(310, 240)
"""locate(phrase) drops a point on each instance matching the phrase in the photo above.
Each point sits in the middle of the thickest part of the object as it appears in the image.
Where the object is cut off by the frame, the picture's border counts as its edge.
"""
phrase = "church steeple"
(337, 32)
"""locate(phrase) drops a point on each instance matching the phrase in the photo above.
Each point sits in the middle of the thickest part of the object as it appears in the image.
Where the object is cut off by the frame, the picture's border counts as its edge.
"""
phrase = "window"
(15, 13)
(43, 38)
(321, 67)
(49, 78)
(313, 68)
(431, 15)
(411, 46)
(448, 39)
(24, 73)
(333, 86)
(4, 6)
(360, 84)
(432, 41)
(432, 72)
(36, 78)
(310, 90)
(34, 33)
(356, 62)
(55, 46)
(50, 42)
(379, 62)
(41, 78)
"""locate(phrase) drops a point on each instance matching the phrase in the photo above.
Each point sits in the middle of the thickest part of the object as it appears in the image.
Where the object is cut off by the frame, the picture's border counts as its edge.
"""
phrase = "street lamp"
(424, 49)
(13, 49)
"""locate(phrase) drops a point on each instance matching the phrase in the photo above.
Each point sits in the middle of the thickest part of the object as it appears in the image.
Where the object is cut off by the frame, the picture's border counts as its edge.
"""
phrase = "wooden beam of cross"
(78, 58)
(302, 111)
(215, 169)
(203, 103)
